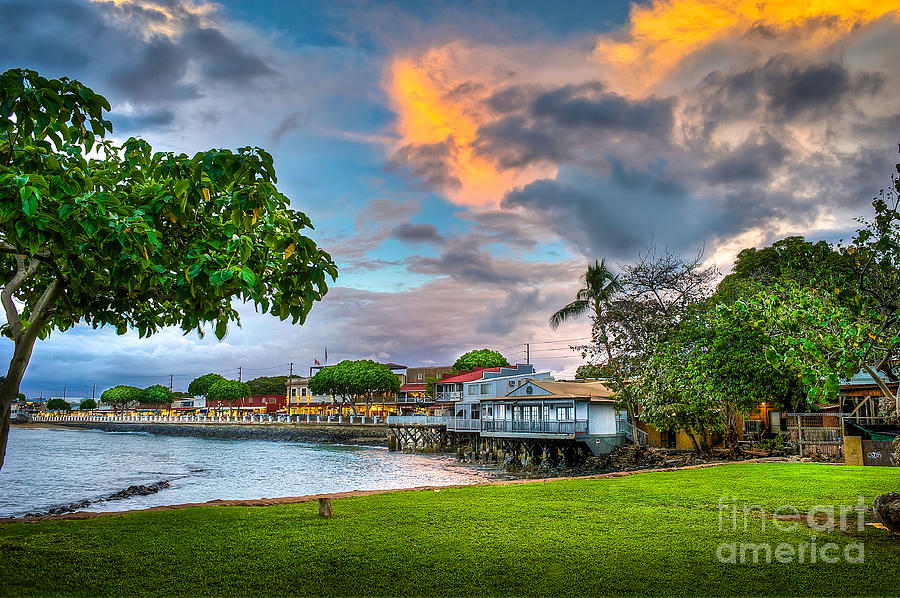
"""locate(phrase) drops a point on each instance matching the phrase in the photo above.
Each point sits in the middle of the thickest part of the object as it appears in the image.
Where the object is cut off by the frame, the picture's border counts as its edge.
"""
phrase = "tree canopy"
(155, 395)
(228, 390)
(200, 385)
(268, 385)
(122, 236)
(58, 405)
(479, 358)
(349, 380)
(120, 396)
(88, 405)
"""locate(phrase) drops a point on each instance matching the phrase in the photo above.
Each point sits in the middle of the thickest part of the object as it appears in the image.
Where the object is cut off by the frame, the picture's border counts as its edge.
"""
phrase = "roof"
(595, 391)
(394, 366)
(412, 387)
(475, 374)
(862, 378)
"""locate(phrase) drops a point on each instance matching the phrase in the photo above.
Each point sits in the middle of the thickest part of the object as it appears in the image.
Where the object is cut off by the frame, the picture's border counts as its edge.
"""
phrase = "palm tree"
(600, 284)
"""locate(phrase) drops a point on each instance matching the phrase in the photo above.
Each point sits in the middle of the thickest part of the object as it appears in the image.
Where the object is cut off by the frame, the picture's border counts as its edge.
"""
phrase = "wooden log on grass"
(325, 507)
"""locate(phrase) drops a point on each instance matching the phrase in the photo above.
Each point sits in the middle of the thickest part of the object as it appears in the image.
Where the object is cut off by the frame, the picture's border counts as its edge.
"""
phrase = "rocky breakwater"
(369, 435)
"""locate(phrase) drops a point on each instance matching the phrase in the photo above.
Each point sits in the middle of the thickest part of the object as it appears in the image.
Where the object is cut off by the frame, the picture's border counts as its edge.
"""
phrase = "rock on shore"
(370, 435)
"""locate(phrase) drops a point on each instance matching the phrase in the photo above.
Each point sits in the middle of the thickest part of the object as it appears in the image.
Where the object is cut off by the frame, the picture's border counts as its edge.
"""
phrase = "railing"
(461, 424)
(631, 432)
(453, 395)
(524, 426)
(417, 420)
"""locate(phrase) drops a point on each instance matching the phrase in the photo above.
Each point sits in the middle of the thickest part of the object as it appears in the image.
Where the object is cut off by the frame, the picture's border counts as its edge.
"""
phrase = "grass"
(653, 533)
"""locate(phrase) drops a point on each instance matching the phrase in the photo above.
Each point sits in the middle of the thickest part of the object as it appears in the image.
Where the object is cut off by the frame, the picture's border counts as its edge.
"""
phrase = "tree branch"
(6, 296)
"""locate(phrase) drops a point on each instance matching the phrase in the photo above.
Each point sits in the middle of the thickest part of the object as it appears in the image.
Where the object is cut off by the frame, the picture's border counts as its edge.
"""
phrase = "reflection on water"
(49, 467)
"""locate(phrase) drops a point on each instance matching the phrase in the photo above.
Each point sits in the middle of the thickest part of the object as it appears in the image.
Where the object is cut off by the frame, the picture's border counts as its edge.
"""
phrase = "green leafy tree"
(131, 238)
(355, 381)
(228, 391)
(155, 395)
(58, 405)
(600, 286)
(200, 385)
(591, 370)
(845, 324)
(269, 385)
(21, 396)
(88, 405)
(120, 396)
(479, 358)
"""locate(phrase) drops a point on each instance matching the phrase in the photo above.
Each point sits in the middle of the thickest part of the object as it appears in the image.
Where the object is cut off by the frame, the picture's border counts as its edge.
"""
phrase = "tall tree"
(228, 391)
(655, 293)
(600, 285)
(268, 385)
(846, 323)
(132, 238)
(354, 381)
(155, 395)
(479, 358)
(120, 396)
(200, 385)
(58, 405)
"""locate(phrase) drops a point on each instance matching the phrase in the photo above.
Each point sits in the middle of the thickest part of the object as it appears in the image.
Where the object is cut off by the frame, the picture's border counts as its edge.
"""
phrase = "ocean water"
(51, 467)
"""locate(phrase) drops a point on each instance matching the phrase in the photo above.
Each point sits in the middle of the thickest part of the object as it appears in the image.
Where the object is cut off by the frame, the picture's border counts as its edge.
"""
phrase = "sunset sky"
(462, 161)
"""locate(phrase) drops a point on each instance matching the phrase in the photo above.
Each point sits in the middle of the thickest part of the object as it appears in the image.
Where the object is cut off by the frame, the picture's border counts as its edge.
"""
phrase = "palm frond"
(569, 312)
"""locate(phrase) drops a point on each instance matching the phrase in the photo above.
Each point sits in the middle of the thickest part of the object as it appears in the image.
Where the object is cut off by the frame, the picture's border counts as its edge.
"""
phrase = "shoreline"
(338, 434)
(287, 500)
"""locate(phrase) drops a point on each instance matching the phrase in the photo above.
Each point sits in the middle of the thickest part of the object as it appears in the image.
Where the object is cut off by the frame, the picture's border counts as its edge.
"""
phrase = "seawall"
(371, 435)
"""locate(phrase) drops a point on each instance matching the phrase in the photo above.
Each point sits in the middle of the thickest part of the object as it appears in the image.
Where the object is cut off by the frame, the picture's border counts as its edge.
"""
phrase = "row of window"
(528, 412)
(302, 392)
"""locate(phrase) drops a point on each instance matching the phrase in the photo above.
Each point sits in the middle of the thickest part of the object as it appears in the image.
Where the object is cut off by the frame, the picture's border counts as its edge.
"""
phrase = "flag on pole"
(317, 362)
(326, 355)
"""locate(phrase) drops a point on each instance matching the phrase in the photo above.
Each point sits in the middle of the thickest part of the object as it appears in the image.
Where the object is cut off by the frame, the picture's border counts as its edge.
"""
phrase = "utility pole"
(171, 382)
(287, 390)
(528, 353)
(240, 372)
(64, 393)
(94, 390)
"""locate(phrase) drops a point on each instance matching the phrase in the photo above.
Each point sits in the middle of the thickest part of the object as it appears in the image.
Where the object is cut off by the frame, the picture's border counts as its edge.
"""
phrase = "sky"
(464, 161)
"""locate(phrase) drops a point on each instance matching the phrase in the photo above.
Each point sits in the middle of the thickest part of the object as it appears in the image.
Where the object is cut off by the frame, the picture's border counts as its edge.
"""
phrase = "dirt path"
(287, 500)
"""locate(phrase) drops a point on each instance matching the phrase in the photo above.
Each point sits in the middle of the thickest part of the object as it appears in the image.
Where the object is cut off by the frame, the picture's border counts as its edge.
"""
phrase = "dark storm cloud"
(417, 233)
(557, 125)
(785, 89)
(465, 262)
(223, 60)
(108, 47)
(752, 161)
(503, 317)
(428, 162)
(589, 106)
(153, 71)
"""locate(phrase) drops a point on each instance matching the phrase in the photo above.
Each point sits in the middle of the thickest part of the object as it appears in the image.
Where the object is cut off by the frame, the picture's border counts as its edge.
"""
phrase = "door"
(774, 421)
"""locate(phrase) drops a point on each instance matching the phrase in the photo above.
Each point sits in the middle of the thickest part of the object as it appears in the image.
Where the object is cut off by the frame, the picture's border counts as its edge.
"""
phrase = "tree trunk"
(881, 385)
(10, 386)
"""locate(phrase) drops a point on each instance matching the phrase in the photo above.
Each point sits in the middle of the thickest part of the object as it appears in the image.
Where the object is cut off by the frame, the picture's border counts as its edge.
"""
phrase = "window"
(420, 375)
(473, 389)
(512, 383)
(303, 392)
(500, 411)
(485, 389)
(565, 413)
(293, 392)
(545, 412)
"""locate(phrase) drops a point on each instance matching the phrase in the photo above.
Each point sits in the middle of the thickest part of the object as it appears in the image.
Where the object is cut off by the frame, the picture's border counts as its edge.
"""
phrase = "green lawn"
(652, 533)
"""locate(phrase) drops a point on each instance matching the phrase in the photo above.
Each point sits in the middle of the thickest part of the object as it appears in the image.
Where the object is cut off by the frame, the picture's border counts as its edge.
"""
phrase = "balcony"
(543, 427)
(417, 420)
(452, 395)
(461, 424)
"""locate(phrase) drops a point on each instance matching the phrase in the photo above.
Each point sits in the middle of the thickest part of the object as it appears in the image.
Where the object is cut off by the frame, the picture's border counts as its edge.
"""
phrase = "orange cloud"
(661, 35)
(432, 108)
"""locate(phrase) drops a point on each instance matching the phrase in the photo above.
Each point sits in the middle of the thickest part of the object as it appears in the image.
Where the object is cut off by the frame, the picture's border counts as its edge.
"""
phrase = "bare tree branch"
(6, 296)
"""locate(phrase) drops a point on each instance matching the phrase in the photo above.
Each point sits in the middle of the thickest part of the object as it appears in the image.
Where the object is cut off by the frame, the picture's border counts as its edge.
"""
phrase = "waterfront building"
(460, 395)
(414, 397)
(583, 412)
